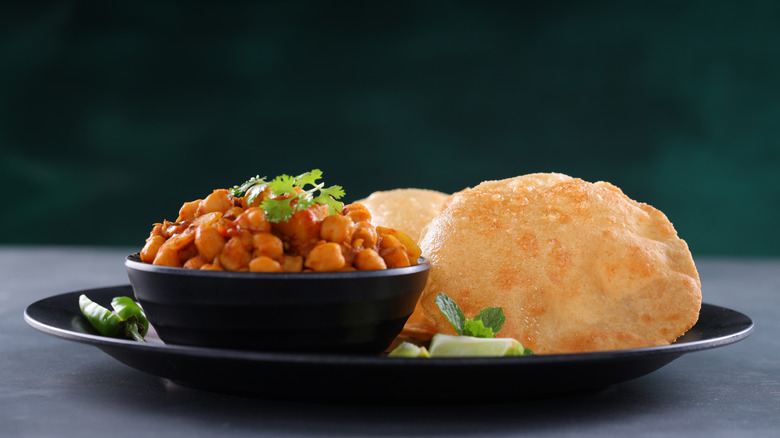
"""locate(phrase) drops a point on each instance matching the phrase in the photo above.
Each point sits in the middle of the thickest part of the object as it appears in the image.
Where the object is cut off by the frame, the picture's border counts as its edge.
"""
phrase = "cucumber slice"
(467, 346)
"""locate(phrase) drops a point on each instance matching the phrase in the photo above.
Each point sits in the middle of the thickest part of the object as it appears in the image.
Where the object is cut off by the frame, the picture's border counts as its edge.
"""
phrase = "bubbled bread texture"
(576, 266)
(408, 210)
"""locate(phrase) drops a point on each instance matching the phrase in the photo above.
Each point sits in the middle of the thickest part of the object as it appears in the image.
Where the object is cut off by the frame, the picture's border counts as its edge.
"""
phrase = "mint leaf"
(475, 328)
(486, 324)
(492, 318)
(451, 311)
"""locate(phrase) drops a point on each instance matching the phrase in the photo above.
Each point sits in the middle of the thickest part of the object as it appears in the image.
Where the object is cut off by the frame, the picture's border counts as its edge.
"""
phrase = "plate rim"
(362, 359)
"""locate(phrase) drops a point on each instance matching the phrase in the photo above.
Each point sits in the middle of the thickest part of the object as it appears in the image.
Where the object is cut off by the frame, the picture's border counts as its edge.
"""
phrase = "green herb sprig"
(285, 199)
(486, 324)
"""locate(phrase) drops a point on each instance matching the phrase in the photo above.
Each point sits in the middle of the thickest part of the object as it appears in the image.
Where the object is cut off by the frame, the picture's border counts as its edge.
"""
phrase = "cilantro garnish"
(290, 195)
(486, 324)
(251, 189)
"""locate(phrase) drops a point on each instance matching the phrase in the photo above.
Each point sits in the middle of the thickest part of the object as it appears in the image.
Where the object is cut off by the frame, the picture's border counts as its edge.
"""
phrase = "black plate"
(330, 377)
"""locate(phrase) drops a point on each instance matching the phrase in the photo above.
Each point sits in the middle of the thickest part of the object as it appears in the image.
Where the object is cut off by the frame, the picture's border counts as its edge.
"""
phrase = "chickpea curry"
(277, 226)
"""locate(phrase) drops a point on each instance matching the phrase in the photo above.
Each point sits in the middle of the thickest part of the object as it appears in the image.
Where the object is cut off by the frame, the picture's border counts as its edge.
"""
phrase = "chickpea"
(264, 264)
(220, 232)
(395, 257)
(206, 219)
(413, 252)
(247, 239)
(292, 263)
(218, 200)
(234, 256)
(153, 245)
(168, 253)
(254, 219)
(304, 225)
(266, 244)
(366, 232)
(349, 252)
(357, 212)
(368, 259)
(188, 210)
(325, 257)
(337, 228)
(233, 212)
(157, 230)
(211, 267)
(181, 240)
(188, 252)
(195, 263)
(167, 256)
(170, 229)
(209, 242)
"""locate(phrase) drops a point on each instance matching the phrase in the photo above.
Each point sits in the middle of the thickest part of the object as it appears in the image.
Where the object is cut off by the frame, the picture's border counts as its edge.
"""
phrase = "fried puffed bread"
(408, 210)
(576, 266)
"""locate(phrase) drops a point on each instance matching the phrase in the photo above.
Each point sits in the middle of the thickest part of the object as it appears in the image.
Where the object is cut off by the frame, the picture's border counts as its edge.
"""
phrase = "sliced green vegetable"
(467, 346)
(407, 349)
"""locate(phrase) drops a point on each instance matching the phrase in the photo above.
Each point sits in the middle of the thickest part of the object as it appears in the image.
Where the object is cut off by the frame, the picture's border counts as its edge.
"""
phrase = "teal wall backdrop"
(114, 113)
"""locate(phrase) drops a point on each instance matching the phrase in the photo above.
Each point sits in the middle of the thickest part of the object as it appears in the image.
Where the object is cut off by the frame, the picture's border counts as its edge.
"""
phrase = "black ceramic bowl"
(346, 312)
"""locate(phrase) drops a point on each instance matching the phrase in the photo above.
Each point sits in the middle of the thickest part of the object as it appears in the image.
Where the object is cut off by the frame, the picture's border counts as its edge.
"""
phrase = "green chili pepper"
(125, 307)
(127, 320)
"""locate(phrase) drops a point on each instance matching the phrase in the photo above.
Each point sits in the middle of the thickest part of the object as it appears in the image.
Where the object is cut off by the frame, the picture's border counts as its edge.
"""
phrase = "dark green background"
(114, 113)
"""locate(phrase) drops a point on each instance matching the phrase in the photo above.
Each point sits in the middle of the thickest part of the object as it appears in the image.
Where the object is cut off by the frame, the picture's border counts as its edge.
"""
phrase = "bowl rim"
(133, 262)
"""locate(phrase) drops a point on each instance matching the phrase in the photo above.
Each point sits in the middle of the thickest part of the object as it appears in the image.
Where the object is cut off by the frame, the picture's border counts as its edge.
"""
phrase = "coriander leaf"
(277, 210)
(238, 191)
(329, 197)
(254, 192)
(451, 311)
(282, 184)
(492, 318)
(289, 195)
(308, 178)
(475, 328)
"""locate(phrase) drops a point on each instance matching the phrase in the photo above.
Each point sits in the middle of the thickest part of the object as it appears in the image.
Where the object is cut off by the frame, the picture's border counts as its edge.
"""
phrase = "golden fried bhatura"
(408, 210)
(576, 266)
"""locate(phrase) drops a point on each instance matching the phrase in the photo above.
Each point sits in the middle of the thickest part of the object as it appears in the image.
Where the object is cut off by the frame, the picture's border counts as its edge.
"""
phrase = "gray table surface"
(53, 387)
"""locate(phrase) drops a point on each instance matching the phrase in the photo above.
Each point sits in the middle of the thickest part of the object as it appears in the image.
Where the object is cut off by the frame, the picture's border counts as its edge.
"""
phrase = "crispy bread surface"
(408, 210)
(576, 266)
